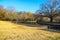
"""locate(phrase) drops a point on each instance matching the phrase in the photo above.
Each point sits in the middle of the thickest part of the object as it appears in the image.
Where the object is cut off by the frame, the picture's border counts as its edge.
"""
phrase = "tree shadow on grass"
(51, 30)
(40, 27)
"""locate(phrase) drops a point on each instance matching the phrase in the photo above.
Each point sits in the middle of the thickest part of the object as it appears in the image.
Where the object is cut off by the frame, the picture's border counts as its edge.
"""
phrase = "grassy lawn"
(11, 31)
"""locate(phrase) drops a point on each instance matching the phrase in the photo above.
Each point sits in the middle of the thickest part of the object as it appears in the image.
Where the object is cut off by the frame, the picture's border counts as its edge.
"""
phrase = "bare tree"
(50, 9)
(2, 11)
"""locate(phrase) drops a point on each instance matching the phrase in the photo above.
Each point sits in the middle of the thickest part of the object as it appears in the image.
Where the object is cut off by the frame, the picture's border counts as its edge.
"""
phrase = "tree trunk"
(51, 19)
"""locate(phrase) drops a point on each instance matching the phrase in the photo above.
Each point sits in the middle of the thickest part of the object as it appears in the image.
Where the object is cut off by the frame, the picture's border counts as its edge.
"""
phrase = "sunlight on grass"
(11, 31)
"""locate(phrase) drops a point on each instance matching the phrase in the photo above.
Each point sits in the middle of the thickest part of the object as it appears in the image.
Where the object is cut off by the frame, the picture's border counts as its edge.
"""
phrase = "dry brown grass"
(10, 31)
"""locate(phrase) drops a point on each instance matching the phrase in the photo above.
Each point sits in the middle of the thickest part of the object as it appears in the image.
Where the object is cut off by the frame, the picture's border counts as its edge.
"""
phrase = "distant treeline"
(11, 15)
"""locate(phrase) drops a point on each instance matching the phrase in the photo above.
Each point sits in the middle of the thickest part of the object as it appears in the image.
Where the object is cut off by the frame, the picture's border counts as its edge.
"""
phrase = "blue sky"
(22, 5)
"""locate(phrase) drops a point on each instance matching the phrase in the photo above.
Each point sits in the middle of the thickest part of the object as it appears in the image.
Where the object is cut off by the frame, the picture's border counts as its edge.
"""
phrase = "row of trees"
(11, 15)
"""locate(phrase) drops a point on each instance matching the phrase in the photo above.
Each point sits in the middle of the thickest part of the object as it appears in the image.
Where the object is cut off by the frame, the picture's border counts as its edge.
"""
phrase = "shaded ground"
(41, 27)
(32, 25)
(11, 31)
